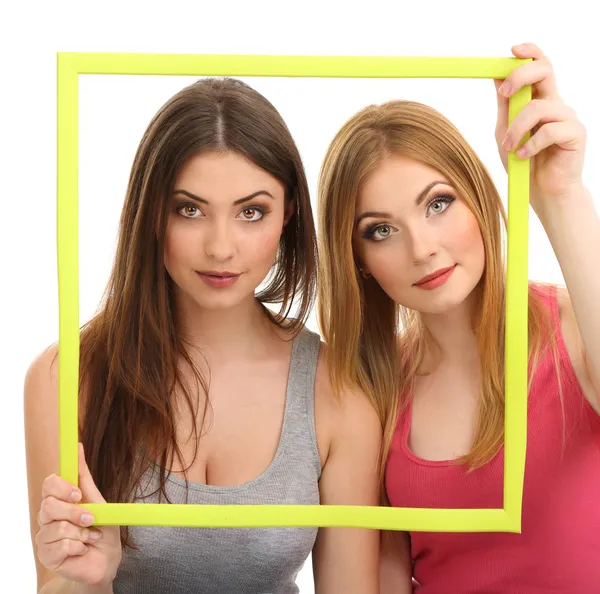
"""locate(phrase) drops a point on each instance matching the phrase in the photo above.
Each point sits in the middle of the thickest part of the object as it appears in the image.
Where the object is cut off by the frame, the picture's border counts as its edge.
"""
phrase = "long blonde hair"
(374, 343)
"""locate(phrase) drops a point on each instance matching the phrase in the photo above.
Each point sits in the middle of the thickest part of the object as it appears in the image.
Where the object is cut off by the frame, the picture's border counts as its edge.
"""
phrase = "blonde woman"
(411, 239)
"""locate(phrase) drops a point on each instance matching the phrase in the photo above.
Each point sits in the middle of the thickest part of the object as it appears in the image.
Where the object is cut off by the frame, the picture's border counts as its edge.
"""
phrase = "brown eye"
(189, 211)
(252, 214)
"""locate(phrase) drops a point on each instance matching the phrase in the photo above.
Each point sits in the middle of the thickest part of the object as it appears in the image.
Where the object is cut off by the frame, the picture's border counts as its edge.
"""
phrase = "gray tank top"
(237, 560)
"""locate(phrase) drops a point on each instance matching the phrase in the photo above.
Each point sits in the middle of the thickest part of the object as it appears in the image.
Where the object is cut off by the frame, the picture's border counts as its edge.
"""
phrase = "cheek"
(260, 245)
(466, 240)
(177, 244)
(386, 261)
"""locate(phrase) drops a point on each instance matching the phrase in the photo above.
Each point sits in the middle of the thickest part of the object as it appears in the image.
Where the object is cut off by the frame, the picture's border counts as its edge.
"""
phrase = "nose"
(220, 243)
(422, 244)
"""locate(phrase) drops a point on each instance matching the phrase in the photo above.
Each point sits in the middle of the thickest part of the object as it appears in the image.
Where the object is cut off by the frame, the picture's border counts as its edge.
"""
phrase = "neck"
(223, 334)
(451, 336)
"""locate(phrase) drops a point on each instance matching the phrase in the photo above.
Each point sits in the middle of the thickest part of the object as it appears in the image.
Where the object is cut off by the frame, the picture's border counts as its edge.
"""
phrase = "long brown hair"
(373, 342)
(130, 350)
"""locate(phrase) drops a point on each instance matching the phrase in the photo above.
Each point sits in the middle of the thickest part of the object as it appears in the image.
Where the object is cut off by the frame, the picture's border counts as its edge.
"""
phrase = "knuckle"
(537, 106)
(543, 135)
(64, 546)
(48, 507)
(44, 511)
(46, 485)
(42, 555)
(63, 529)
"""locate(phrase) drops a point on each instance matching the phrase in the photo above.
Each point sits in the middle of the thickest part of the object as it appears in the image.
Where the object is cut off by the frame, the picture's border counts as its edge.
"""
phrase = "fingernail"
(505, 89)
(87, 520)
(75, 495)
(95, 535)
(522, 152)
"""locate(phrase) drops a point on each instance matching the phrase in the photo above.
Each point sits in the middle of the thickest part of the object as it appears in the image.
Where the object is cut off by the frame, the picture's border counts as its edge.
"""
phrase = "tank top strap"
(299, 431)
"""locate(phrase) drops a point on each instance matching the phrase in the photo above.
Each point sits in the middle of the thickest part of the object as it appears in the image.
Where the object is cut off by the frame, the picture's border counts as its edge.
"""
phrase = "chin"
(439, 301)
(219, 302)
(439, 306)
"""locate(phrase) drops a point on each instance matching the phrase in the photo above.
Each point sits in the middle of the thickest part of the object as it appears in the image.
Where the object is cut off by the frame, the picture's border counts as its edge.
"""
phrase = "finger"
(527, 50)
(502, 119)
(58, 487)
(535, 113)
(90, 493)
(565, 135)
(539, 73)
(60, 530)
(53, 510)
(54, 555)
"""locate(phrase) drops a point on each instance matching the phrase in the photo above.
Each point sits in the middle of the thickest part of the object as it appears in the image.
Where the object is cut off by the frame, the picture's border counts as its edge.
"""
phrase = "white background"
(115, 110)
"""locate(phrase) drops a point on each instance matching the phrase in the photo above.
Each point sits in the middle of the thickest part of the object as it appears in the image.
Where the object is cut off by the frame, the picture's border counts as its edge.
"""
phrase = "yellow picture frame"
(506, 519)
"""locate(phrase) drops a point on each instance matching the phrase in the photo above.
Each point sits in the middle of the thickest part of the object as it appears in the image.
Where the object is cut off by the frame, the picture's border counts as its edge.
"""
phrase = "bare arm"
(573, 227)
(58, 585)
(57, 521)
(346, 560)
(561, 201)
(396, 564)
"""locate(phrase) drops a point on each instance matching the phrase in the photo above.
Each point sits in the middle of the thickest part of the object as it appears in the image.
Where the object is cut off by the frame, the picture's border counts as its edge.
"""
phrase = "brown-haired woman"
(191, 389)
(411, 229)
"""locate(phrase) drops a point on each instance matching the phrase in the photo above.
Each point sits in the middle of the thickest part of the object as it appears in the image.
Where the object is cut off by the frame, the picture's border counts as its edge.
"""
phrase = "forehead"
(228, 175)
(397, 181)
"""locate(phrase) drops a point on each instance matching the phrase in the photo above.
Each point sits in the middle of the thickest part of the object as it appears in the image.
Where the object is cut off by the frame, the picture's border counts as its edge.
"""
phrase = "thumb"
(87, 486)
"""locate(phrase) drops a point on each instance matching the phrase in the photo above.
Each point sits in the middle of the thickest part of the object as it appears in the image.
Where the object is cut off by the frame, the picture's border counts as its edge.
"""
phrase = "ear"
(288, 213)
(362, 267)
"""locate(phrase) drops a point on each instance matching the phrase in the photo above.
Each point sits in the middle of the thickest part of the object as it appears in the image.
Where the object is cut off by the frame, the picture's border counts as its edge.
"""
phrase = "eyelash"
(445, 198)
(370, 231)
(262, 211)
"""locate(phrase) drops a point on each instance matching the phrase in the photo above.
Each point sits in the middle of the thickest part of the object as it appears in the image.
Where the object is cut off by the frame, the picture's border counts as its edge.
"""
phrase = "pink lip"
(216, 278)
(436, 279)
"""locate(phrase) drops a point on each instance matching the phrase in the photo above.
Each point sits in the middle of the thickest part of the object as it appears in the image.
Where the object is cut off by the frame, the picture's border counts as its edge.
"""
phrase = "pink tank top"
(558, 550)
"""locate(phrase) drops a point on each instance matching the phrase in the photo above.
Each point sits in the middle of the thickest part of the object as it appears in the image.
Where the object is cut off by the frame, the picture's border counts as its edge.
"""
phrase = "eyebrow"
(374, 214)
(239, 201)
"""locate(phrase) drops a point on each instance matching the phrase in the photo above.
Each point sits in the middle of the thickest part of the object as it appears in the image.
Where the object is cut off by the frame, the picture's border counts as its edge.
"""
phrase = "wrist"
(106, 588)
(552, 209)
(60, 585)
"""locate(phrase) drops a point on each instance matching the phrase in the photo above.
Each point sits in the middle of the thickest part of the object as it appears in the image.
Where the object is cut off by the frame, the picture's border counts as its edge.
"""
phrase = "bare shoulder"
(343, 416)
(40, 395)
(575, 347)
(41, 379)
(41, 431)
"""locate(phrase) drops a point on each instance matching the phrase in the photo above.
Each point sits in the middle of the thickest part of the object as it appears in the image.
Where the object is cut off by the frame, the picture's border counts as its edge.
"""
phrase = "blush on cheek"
(466, 231)
(468, 247)
(263, 251)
